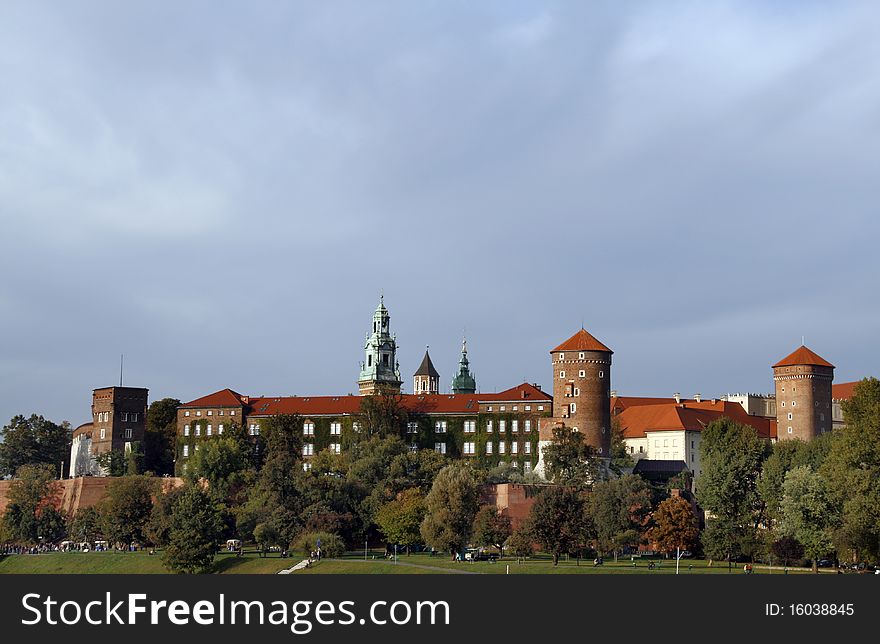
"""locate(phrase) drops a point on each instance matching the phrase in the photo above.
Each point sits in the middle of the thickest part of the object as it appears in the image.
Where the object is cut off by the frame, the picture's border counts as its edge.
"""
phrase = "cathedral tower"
(426, 380)
(803, 394)
(379, 370)
(464, 382)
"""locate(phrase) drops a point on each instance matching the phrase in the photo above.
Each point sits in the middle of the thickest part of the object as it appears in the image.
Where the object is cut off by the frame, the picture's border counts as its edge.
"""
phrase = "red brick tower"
(803, 394)
(582, 388)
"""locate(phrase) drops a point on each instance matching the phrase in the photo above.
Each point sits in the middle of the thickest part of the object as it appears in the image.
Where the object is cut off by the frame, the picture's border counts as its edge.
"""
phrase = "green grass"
(352, 563)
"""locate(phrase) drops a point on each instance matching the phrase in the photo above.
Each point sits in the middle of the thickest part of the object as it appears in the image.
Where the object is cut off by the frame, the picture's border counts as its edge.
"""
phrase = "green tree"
(33, 441)
(330, 544)
(85, 527)
(520, 544)
(786, 455)
(619, 509)
(675, 526)
(787, 549)
(559, 521)
(569, 460)
(852, 473)
(196, 525)
(732, 455)
(113, 463)
(620, 458)
(451, 506)
(160, 436)
(51, 524)
(400, 518)
(808, 513)
(126, 509)
(224, 464)
(158, 527)
(492, 528)
(33, 490)
(382, 415)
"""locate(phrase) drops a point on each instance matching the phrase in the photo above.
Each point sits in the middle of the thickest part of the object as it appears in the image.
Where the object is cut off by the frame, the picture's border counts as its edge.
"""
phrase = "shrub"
(331, 544)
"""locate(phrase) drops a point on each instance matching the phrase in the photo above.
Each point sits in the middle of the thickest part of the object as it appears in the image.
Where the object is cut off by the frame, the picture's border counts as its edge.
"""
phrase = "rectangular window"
(209, 430)
(502, 425)
(128, 433)
(490, 408)
(581, 355)
(514, 448)
(125, 415)
(307, 467)
(414, 448)
(336, 448)
(488, 448)
(502, 408)
(527, 448)
(308, 428)
(198, 430)
(489, 426)
(308, 449)
(516, 408)
(582, 374)
(232, 413)
(210, 413)
(185, 451)
(561, 375)
(573, 407)
(186, 430)
(134, 417)
(500, 447)
(514, 425)
(335, 429)
(470, 426)
(468, 448)
(220, 429)
(221, 413)
(528, 408)
(561, 357)
(440, 427)
(527, 466)
(412, 428)
(440, 448)
(527, 426)
(186, 413)
(540, 407)
(198, 413)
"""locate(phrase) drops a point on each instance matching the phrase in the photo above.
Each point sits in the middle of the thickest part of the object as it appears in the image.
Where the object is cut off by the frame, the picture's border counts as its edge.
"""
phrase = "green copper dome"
(464, 382)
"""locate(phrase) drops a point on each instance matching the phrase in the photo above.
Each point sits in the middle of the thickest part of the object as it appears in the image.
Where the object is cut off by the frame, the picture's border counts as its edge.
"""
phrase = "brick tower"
(803, 394)
(582, 388)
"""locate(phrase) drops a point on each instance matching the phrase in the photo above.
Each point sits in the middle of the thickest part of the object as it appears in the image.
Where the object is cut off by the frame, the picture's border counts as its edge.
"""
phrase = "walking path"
(452, 571)
(302, 564)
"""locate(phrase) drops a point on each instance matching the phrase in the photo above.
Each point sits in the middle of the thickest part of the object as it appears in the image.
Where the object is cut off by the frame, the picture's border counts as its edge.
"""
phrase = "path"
(413, 565)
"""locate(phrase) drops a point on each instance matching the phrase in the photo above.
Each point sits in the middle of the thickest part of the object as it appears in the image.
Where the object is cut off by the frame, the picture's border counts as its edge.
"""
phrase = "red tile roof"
(843, 390)
(582, 341)
(691, 416)
(803, 356)
(619, 403)
(222, 398)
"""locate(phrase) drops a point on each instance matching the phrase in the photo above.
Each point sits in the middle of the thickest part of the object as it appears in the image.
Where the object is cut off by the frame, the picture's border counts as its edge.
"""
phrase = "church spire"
(379, 370)
(464, 382)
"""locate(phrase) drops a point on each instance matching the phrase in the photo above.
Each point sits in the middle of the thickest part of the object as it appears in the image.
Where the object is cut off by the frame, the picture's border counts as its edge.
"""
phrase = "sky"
(222, 190)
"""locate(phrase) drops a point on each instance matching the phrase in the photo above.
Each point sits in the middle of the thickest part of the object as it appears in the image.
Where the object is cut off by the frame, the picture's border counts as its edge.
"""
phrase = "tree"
(569, 460)
(788, 549)
(113, 463)
(330, 544)
(732, 455)
(400, 518)
(559, 521)
(33, 441)
(52, 525)
(85, 527)
(382, 414)
(808, 514)
(158, 527)
(786, 455)
(160, 436)
(34, 490)
(196, 525)
(675, 526)
(852, 473)
(491, 528)
(620, 458)
(451, 506)
(126, 509)
(223, 464)
(520, 544)
(619, 509)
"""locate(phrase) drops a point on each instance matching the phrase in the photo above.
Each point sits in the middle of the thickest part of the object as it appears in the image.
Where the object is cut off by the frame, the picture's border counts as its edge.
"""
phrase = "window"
(308, 449)
(540, 407)
(134, 417)
(641, 449)
(573, 407)
(125, 415)
(440, 427)
(822, 417)
(220, 429)
(502, 425)
(692, 444)
(674, 441)
(527, 448)
(185, 451)
(307, 467)
(210, 413)
(783, 403)
(516, 408)
(581, 355)
(528, 408)
(468, 448)
(254, 429)
(414, 448)
(601, 374)
(527, 426)
(489, 426)
(514, 425)
(656, 443)
(514, 448)
(186, 430)
(221, 412)
(500, 447)
(561, 374)
(793, 403)
(789, 415)
(440, 448)
(209, 430)
(198, 430)
(232, 413)
(561, 357)
(789, 430)
(198, 413)
(412, 428)
(489, 408)
(488, 448)
(186, 413)
(582, 374)
(335, 429)
(128, 433)
(470, 426)
(527, 466)
(577, 392)
(502, 408)
(308, 428)
(336, 448)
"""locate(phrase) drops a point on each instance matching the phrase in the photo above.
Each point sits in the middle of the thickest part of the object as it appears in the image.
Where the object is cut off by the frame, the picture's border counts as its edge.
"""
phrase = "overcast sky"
(221, 190)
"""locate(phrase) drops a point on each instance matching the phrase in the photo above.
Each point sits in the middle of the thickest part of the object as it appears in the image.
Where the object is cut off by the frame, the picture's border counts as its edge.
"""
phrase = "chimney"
(677, 397)
(614, 393)
(697, 397)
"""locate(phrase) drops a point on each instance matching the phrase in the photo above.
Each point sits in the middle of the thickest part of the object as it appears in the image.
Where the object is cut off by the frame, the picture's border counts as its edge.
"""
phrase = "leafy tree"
(414, 469)
(33, 441)
(451, 506)
(85, 527)
(787, 549)
(786, 455)
(400, 518)
(113, 463)
(331, 545)
(158, 528)
(852, 473)
(559, 521)
(808, 514)
(492, 528)
(382, 415)
(126, 509)
(675, 526)
(223, 464)
(520, 544)
(732, 455)
(620, 458)
(569, 460)
(196, 525)
(619, 509)
(34, 490)
(52, 525)
(160, 436)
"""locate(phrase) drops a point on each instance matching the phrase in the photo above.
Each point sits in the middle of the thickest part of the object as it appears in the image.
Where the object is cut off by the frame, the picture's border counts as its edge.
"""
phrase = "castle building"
(426, 380)
(803, 394)
(380, 371)
(119, 420)
(464, 382)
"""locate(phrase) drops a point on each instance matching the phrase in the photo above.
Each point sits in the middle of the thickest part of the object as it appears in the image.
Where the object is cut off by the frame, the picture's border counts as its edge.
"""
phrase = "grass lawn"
(352, 563)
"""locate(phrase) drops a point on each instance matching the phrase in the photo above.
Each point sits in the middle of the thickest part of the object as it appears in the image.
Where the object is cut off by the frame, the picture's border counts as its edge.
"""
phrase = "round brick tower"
(582, 388)
(803, 395)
